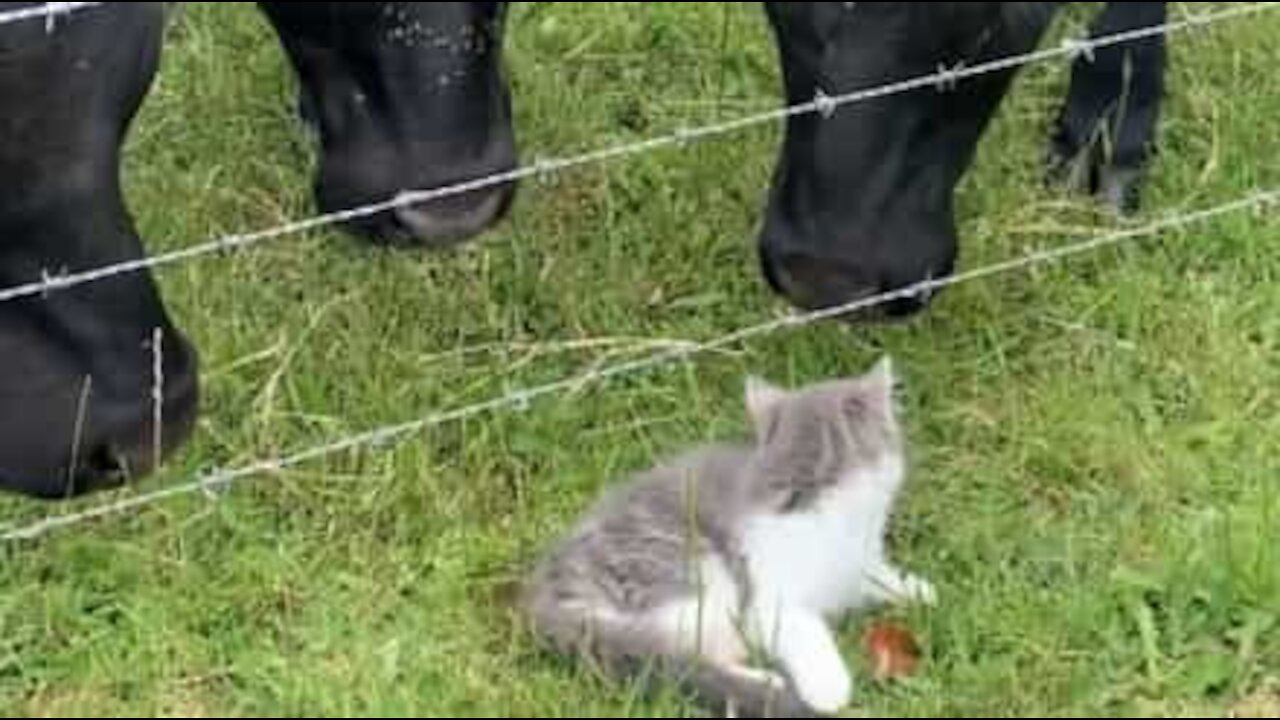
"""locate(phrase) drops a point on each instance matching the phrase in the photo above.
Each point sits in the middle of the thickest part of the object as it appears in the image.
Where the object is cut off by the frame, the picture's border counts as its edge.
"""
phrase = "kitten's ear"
(762, 397)
(884, 373)
(883, 378)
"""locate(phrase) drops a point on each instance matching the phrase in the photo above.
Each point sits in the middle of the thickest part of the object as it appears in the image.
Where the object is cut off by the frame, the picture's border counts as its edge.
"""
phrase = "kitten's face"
(827, 429)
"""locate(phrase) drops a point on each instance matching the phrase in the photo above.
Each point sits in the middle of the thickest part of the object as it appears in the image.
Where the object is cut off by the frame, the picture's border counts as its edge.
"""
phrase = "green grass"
(1095, 443)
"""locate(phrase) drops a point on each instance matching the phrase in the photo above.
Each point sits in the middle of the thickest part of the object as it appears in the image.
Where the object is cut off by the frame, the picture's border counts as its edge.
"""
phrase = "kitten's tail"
(633, 649)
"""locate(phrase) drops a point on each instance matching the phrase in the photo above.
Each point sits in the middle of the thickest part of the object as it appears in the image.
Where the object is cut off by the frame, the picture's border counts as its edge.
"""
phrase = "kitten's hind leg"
(891, 585)
(749, 692)
(803, 644)
(683, 642)
(712, 661)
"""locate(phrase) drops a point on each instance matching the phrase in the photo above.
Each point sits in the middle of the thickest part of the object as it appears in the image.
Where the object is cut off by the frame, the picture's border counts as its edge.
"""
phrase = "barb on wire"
(823, 104)
(523, 398)
(49, 12)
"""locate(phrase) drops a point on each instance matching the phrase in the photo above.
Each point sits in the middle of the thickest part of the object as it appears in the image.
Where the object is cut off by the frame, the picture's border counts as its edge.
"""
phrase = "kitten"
(726, 552)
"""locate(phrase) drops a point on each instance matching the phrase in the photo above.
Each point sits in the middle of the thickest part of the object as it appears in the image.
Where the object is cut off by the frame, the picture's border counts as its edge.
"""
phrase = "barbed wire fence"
(944, 80)
(521, 400)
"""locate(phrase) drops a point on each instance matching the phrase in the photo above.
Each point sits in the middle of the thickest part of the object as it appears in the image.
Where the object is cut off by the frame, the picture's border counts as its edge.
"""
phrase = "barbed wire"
(217, 482)
(49, 12)
(823, 104)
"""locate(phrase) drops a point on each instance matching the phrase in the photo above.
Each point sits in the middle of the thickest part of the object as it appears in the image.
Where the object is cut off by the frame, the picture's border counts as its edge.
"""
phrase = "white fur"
(803, 644)
(820, 559)
(705, 626)
(810, 567)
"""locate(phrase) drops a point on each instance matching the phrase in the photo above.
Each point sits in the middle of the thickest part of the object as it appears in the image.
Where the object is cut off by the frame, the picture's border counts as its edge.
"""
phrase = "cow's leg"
(78, 372)
(1105, 136)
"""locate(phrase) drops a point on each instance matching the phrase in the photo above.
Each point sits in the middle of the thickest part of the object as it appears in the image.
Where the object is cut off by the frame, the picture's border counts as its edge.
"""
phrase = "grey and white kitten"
(731, 554)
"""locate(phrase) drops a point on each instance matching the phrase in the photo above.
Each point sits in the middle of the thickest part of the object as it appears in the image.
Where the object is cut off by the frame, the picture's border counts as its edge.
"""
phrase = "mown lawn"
(1096, 444)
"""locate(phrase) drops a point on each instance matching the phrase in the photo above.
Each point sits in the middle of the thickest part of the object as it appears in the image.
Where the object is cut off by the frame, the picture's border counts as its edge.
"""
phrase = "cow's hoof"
(1118, 188)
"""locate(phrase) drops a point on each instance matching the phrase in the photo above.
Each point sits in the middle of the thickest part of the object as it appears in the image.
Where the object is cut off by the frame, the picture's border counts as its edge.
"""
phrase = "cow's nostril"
(102, 467)
(106, 464)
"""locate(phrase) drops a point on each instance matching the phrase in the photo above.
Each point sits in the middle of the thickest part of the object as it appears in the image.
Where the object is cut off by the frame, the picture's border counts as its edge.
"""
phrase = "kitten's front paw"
(828, 691)
(920, 591)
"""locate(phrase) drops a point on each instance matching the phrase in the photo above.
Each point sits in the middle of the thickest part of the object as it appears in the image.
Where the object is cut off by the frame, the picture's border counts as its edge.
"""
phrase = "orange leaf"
(894, 652)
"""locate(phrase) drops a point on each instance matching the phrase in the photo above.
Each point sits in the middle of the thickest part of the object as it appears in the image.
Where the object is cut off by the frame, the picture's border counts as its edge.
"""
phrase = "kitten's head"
(817, 434)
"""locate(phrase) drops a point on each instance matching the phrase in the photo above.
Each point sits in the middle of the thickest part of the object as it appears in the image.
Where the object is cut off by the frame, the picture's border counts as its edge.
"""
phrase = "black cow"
(862, 201)
(76, 367)
(404, 96)
(413, 95)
